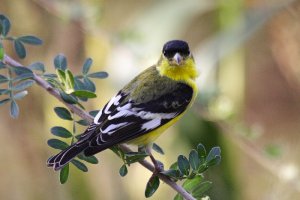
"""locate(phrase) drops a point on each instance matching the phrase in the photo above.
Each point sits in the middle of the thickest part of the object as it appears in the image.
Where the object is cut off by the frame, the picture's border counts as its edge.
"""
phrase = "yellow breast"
(186, 73)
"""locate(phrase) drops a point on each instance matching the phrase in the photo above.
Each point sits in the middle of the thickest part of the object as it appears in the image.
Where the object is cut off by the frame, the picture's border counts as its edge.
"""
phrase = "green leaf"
(89, 159)
(201, 152)
(215, 161)
(4, 101)
(173, 173)
(94, 112)
(79, 165)
(174, 166)
(183, 165)
(190, 184)
(123, 170)
(69, 82)
(23, 85)
(4, 91)
(4, 25)
(84, 93)
(61, 132)
(64, 174)
(132, 157)
(57, 144)
(23, 77)
(118, 151)
(20, 70)
(1, 52)
(60, 62)
(20, 49)
(89, 85)
(98, 75)
(83, 122)
(2, 65)
(53, 82)
(29, 39)
(21, 94)
(87, 65)
(202, 168)
(14, 109)
(61, 75)
(68, 98)
(50, 75)
(63, 113)
(200, 189)
(37, 66)
(157, 148)
(194, 159)
(152, 186)
(3, 79)
(214, 156)
(79, 85)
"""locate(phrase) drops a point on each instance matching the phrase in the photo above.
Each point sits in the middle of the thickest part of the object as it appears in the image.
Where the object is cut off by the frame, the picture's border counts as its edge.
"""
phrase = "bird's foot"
(158, 166)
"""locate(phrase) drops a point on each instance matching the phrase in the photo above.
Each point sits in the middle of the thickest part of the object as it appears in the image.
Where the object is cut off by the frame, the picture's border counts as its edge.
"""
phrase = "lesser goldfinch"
(143, 109)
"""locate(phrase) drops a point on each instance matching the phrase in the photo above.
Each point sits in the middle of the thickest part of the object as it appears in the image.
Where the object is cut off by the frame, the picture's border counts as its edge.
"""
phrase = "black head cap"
(176, 46)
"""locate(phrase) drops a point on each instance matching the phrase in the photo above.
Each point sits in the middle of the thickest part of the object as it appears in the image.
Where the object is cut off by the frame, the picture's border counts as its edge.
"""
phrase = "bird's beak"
(177, 58)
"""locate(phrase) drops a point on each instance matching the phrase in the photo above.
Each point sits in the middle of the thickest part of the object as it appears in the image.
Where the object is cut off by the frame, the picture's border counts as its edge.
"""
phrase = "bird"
(145, 107)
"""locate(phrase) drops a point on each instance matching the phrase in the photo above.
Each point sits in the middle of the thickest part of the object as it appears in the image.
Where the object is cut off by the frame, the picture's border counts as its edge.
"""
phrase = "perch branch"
(84, 115)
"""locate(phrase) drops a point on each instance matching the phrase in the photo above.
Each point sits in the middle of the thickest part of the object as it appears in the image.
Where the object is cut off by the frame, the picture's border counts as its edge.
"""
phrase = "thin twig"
(44, 84)
(162, 177)
(84, 115)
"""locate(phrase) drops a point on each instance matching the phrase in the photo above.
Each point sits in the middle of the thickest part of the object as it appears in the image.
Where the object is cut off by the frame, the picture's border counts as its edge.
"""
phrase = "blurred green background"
(248, 55)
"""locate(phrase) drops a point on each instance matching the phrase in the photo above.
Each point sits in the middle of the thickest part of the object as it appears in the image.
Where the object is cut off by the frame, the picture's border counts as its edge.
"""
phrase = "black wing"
(121, 120)
(131, 120)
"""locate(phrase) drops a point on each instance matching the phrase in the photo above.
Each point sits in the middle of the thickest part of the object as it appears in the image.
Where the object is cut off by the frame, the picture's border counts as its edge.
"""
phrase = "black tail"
(93, 150)
(64, 157)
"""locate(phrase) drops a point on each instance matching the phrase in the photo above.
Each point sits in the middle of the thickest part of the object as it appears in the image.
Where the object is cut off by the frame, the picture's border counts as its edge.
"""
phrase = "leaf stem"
(10, 83)
(73, 128)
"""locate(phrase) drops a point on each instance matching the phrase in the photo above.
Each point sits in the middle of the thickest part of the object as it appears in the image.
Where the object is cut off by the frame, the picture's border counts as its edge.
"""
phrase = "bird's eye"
(185, 53)
(169, 54)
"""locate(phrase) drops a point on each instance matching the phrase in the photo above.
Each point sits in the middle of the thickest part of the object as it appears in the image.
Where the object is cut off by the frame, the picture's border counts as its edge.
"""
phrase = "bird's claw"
(158, 166)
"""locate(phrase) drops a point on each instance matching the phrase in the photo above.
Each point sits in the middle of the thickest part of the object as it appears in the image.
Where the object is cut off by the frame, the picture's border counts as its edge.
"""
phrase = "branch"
(44, 84)
(84, 115)
(162, 177)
